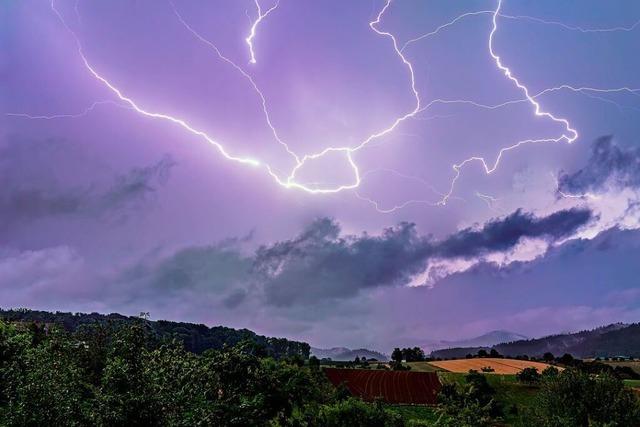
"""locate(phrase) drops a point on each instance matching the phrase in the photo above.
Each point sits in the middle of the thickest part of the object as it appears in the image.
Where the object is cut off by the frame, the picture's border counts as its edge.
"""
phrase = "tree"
(494, 353)
(548, 357)
(314, 363)
(529, 376)
(566, 359)
(396, 356)
(482, 353)
(471, 404)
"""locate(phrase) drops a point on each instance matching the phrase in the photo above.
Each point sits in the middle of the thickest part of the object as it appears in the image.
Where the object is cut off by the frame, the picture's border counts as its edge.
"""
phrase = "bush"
(574, 398)
(348, 413)
(529, 376)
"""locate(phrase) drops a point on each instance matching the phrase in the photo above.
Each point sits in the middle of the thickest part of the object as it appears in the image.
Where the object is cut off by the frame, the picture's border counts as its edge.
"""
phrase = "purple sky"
(376, 174)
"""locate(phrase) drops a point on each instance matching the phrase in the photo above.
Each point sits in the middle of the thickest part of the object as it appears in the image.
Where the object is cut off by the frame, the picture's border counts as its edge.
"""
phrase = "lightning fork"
(254, 27)
(246, 75)
(570, 134)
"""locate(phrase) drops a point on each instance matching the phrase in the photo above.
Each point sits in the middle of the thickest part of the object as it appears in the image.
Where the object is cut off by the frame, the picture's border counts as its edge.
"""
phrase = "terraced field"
(499, 366)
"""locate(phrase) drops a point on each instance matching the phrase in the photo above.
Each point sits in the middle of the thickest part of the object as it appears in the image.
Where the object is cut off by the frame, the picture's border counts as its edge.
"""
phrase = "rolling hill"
(607, 341)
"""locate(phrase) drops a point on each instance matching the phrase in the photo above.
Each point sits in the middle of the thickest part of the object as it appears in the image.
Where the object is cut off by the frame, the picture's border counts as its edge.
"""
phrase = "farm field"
(500, 366)
(392, 386)
(422, 367)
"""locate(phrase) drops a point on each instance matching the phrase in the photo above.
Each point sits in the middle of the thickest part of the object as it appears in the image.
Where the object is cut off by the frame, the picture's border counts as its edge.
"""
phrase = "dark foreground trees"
(124, 377)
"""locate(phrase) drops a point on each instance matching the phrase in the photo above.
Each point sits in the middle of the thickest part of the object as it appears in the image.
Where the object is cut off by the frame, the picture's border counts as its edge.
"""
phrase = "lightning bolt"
(377, 205)
(83, 113)
(244, 74)
(289, 182)
(522, 18)
(254, 27)
(489, 200)
(569, 136)
(585, 90)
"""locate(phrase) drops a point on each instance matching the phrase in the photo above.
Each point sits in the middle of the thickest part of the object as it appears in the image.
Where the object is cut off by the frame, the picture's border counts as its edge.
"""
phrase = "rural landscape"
(320, 213)
(90, 369)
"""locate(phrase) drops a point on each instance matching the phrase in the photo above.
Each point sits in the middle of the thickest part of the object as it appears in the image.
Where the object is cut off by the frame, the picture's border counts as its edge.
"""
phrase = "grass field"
(500, 366)
(423, 367)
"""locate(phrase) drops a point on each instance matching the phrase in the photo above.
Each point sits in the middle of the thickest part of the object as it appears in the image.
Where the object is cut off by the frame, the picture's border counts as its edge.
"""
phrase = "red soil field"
(391, 386)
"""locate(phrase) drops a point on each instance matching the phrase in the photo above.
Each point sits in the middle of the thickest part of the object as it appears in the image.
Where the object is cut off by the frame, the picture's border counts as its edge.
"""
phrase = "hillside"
(196, 337)
(607, 341)
(345, 354)
(485, 340)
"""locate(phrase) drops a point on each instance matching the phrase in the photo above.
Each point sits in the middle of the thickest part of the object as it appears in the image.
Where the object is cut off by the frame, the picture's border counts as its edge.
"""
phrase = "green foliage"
(195, 338)
(415, 354)
(469, 404)
(115, 375)
(574, 398)
(349, 413)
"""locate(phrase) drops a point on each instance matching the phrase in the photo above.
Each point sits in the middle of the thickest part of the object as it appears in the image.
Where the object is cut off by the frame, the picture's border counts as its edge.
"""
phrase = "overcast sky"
(353, 173)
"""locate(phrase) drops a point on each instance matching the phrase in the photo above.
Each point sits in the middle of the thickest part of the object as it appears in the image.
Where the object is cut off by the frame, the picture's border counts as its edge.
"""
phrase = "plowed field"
(391, 386)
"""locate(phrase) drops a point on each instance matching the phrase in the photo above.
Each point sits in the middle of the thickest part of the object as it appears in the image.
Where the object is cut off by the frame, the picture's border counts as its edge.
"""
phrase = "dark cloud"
(608, 164)
(136, 185)
(502, 234)
(320, 264)
(31, 189)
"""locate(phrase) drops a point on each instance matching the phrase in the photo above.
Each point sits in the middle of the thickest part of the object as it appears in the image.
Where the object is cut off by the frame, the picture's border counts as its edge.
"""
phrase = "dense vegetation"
(195, 338)
(128, 374)
(123, 375)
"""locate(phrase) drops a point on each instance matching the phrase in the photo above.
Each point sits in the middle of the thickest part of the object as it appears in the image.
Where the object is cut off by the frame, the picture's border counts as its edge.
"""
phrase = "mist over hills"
(613, 340)
(345, 354)
(485, 340)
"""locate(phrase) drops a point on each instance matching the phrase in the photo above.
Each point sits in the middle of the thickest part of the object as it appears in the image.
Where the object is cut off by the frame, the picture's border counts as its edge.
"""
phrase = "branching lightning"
(244, 74)
(254, 27)
(290, 181)
(568, 135)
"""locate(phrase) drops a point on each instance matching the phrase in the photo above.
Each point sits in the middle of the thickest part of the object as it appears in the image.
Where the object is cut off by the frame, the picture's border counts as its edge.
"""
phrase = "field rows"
(391, 386)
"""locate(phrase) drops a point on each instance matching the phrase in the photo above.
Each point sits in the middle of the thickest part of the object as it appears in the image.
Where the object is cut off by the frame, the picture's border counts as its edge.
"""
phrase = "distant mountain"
(486, 340)
(607, 341)
(345, 354)
(195, 337)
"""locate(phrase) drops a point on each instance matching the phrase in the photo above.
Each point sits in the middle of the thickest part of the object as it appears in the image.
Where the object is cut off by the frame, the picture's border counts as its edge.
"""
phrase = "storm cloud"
(320, 264)
(608, 165)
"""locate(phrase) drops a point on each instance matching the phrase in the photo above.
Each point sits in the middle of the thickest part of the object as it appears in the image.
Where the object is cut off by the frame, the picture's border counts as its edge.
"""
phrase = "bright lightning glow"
(254, 27)
(289, 182)
(569, 134)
